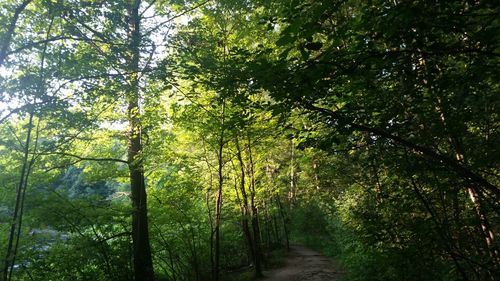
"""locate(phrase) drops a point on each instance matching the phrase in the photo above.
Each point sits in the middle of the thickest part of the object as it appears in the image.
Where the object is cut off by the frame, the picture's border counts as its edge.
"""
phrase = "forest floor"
(304, 264)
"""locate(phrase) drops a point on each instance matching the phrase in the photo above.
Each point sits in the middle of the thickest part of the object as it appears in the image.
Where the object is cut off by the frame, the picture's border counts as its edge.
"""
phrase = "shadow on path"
(304, 264)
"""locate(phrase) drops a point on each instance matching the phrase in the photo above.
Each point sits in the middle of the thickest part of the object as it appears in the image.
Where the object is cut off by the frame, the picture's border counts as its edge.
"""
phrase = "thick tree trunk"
(143, 265)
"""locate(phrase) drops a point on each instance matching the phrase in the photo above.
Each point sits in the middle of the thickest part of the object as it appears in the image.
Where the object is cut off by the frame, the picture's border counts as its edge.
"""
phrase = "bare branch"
(60, 38)
(156, 27)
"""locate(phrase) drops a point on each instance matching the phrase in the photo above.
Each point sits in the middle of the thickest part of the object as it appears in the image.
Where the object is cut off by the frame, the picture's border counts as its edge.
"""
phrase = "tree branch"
(463, 171)
(57, 38)
(174, 17)
(10, 31)
(82, 158)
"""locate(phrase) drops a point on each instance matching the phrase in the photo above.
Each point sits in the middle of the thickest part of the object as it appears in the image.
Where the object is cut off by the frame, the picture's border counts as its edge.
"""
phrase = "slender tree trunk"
(273, 220)
(143, 265)
(441, 231)
(245, 208)
(212, 231)
(16, 218)
(21, 209)
(473, 192)
(284, 220)
(378, 185)
(255, 214)
(26, 168)
(315, 174)
(242, 221)
(291, 192)
(484, 223)
(218, 203)
(195, 258)
(209, 209)
(218, 209)
(267, 226)
(277, 236)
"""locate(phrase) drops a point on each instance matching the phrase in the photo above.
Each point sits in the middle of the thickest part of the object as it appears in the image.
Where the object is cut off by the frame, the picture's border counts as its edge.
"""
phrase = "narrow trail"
(304, 264)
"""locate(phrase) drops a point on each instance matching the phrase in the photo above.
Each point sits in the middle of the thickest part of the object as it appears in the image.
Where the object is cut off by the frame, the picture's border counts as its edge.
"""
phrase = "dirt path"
(303, 264)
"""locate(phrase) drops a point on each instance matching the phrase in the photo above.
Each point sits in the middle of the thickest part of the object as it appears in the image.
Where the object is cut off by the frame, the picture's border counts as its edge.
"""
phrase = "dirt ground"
(303, 264)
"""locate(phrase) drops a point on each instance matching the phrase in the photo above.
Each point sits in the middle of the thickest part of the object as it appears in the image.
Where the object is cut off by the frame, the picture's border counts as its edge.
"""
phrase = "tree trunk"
(277, 236)
(472, 191)
(285, 222)
(21, 209)
(255, 214)
(209, 208)
(212, 231)
(218, 209)
(16, 218)
(441, 230)
(293, 180)
(267, 226)
(143, 265)
(27, 166)
(245, 208)
(317, 182)
(218, 204)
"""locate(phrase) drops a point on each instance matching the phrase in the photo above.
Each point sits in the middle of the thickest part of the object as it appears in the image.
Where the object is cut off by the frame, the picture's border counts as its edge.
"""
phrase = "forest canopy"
(196, 140)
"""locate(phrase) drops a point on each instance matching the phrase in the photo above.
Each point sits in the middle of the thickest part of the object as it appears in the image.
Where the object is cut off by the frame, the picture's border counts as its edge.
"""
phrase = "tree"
(376, 122)
(93, 34)
(143, 263)
(396, 76)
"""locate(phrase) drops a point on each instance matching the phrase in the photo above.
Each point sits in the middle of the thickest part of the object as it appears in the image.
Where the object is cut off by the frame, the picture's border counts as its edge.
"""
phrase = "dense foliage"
(195, 140)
